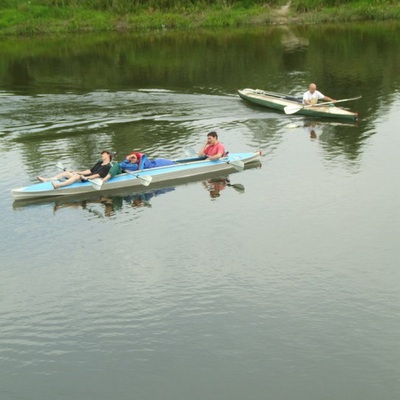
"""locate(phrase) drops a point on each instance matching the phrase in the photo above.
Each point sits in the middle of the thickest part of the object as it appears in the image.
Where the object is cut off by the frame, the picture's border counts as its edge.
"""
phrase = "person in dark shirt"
(99, 170)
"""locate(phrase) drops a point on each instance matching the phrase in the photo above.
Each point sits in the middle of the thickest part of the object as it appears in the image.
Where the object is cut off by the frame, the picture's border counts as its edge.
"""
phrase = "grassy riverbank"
(38, 17)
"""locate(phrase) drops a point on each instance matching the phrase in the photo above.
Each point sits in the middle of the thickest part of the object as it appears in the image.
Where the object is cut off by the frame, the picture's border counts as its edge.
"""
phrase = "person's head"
(133, 157)
(312, 88)
(212, 137)
(106, 155)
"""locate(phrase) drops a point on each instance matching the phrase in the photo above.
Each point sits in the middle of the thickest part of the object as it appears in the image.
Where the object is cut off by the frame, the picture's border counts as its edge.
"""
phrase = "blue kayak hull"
(183, 169)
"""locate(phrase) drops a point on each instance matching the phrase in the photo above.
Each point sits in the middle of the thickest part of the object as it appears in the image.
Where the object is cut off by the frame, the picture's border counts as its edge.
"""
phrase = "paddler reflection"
(312, 129)
(143, 199)
(216, 185)
(110, 205)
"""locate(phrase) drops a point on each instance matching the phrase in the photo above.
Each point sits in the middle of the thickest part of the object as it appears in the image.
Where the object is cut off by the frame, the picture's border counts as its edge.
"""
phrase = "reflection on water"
(287, 288)
(104, 91)
(216, 185)
(158, 122)
(111, 205)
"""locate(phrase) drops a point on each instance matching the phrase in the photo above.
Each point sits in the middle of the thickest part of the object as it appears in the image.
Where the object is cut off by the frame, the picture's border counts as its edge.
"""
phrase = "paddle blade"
(237, 186)
(292, 109)
(145, 180)
(59, 165)
(237, 164)
(96, 183)
(190, 151)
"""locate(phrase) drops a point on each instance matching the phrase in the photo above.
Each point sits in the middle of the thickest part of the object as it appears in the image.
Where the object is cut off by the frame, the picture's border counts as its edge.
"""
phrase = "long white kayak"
(291, 105)
(182, 169)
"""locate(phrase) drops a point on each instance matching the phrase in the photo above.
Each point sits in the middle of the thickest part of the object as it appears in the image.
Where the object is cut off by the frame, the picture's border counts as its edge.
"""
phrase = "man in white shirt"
(313, 95)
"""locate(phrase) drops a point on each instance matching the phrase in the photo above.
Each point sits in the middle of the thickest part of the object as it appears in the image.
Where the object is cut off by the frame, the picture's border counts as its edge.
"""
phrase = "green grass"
(361, 10)
(21, 17)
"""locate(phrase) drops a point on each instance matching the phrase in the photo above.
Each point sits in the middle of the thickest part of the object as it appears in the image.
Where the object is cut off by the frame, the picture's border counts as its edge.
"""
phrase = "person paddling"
(312, 96)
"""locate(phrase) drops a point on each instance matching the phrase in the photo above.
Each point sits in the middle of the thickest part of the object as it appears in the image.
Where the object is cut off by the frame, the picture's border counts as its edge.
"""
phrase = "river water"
(286, 290)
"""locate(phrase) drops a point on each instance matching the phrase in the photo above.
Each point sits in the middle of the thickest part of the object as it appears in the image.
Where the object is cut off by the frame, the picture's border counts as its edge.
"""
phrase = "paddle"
(190, 151)
(97, 183)
(237, 186)
(144, 180)
(60, 166)
(237, 164)
(294, 109)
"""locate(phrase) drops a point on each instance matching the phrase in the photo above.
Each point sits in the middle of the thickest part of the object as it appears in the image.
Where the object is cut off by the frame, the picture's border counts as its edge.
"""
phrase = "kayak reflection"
(112, 204)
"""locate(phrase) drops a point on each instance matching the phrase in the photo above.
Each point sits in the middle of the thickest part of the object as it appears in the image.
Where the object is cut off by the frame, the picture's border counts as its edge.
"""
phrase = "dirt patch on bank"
(282, 15)
(277, 16)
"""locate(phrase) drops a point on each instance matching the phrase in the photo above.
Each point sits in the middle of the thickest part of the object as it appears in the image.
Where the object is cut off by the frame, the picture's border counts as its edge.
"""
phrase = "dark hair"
(213, 134)
(108, 152)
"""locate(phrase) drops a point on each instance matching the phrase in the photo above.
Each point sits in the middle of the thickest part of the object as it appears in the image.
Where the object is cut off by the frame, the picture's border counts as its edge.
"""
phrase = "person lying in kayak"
(131, 164)
(136, 161)
(212, 149)
(99, 170)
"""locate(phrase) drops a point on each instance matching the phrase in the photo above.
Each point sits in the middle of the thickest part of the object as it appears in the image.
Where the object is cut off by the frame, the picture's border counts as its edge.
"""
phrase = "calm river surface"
(288, 290)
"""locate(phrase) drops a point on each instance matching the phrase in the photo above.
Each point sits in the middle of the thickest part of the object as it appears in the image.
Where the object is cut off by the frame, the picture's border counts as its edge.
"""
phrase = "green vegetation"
(22, 17)
(316, 11)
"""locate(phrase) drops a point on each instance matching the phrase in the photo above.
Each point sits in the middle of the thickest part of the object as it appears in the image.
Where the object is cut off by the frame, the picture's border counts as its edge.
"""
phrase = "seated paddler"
(212, 149)
(136, 161)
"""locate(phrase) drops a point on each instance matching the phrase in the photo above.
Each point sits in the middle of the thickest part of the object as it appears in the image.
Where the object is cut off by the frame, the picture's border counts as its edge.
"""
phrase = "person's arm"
(305, 99)
(101, 172)
(201, 152)
(89, 172)
(85, 172)
(323, 97)
(106, 178)
(86, 177)
(215, 157)
(126, 165)
(326, 98)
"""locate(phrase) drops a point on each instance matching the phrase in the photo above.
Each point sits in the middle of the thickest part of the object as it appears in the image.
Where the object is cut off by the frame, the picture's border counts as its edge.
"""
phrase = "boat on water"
(293, 105)
(181, 170)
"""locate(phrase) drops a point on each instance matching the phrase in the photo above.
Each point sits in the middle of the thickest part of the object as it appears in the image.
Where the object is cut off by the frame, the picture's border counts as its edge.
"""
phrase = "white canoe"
(278, 101)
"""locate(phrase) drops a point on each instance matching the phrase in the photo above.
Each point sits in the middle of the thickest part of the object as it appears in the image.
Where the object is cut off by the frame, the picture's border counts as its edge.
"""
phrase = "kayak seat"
(292, 98)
